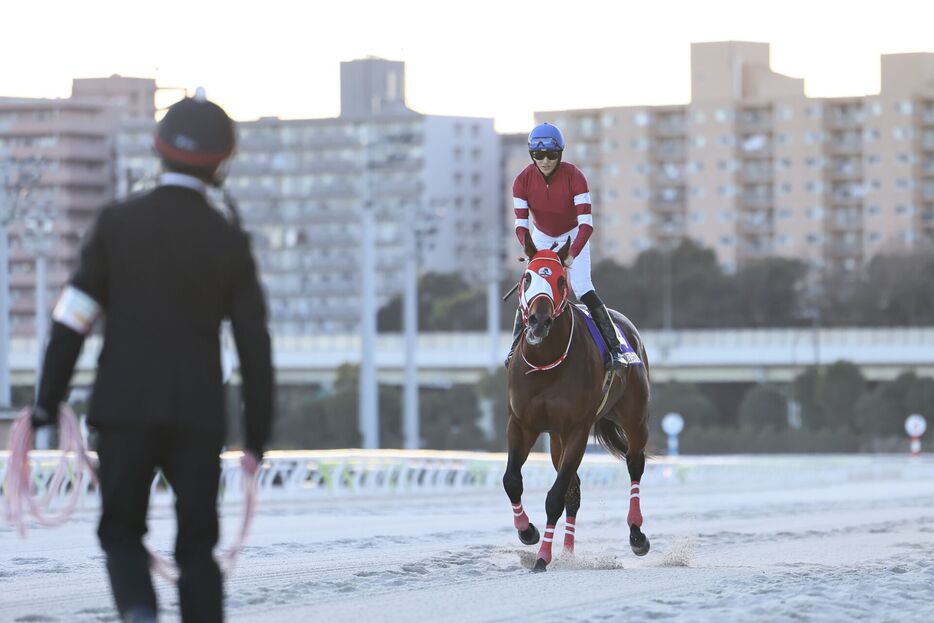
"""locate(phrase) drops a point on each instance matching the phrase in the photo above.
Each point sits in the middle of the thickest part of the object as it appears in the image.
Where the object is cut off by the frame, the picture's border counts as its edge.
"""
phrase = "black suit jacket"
(166, 269)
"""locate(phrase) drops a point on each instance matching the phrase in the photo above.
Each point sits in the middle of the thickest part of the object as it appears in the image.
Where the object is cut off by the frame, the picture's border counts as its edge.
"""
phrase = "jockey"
(555, 194)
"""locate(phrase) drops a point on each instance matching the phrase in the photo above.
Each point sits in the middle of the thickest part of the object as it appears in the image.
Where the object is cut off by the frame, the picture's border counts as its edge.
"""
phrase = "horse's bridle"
(525, 304)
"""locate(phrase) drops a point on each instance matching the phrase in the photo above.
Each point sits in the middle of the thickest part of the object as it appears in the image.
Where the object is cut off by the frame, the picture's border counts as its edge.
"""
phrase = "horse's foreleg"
(572, 501)
(520, 442)
(574, 447)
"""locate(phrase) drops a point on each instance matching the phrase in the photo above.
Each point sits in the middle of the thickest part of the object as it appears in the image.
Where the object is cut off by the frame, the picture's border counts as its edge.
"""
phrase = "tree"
(806, 392)
(766, 292)
(683, 398)
(840, 387)
(764, 407)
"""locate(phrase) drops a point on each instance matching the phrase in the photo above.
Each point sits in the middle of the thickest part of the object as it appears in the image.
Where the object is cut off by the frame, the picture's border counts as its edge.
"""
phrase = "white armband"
(76, 310)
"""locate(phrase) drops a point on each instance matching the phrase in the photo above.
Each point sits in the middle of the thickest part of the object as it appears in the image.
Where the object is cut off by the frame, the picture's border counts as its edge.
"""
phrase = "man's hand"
(568, 261)
(249, 463)
(39, 417)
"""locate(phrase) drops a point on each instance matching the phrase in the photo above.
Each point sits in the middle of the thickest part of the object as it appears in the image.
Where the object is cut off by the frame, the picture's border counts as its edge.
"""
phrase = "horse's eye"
(561, 283)
(526, 281)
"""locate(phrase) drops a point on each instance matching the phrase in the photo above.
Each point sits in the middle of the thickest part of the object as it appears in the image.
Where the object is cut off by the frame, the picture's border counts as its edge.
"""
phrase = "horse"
(557, 384)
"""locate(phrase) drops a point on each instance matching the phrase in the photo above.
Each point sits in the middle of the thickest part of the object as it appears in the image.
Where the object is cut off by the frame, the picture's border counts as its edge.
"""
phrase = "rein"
(20, 501)
(560, 359)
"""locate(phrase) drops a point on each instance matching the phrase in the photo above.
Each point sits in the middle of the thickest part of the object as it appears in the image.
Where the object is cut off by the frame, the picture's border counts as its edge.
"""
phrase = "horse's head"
(543, 290)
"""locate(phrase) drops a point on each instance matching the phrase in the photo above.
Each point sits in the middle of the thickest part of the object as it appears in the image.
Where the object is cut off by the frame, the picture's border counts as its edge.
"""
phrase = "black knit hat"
(195, 134)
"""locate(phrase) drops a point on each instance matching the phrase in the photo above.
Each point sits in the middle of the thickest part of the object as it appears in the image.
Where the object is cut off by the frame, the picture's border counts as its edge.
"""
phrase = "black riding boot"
(601, 316)
(516, 334)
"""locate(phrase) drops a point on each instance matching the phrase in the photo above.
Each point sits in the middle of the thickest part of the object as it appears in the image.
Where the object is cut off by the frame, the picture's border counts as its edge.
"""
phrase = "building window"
(727, 140)
(904, 107)
(723, 115)
(608, 120)
(902, 134)
(905, 158)
(641, 119)
(728, 216)
(698, 140)
(814, 238)
(785, 213)
(903, 209)
(873, 237)
(785, 113)
(814, 187)
(873, 210)
(814, 112)
(727, 241)
(699, 117)
(815, 213)
(814, 138)
(872, 159)
(904, 184)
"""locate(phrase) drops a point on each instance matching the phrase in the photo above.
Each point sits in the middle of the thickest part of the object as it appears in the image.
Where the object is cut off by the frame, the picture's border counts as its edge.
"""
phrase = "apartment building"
(433, 181)
(752, 167)
(64, 146)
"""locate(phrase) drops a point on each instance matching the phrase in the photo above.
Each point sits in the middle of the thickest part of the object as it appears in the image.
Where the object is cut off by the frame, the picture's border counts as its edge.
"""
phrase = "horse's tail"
(611, 437)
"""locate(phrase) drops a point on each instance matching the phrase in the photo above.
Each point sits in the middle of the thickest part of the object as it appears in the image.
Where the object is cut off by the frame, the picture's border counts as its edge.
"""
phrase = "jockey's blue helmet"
(546, 137)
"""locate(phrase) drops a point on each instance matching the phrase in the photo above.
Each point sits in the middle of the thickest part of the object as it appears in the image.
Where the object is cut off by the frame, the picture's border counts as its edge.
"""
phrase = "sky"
(503, 59)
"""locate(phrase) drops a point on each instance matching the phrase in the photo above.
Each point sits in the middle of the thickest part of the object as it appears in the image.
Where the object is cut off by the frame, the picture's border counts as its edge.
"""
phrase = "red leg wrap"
(544, 552)
(569, 530)
(635, 511)
(520, 519)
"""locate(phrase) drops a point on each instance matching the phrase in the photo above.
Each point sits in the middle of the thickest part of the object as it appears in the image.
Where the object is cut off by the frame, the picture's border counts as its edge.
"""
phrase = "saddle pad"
(628, 353)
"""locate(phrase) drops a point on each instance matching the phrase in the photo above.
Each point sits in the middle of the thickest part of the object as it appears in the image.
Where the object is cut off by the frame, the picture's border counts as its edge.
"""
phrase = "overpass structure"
(696, 356)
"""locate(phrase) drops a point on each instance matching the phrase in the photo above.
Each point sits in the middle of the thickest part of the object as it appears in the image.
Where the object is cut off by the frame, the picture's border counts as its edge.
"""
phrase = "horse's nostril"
(547, 322)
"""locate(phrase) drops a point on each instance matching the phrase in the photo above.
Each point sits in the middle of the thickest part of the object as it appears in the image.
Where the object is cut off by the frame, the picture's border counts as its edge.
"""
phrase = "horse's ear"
(530, 249)
(564, 250)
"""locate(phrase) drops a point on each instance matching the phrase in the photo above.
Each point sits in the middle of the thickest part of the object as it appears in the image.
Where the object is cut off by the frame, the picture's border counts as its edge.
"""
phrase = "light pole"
(368, 409)
(411, 434)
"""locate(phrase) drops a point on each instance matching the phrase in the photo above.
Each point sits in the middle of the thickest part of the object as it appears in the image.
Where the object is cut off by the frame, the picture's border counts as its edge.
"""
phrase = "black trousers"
(189, 459)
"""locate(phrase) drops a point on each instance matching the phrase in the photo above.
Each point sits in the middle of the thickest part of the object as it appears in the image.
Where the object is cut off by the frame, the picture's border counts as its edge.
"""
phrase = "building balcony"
(673, 150)
(755, 228)
(842, 174)
(658, 204)
(845, 148)
(668, 129)
(757, 201)
(664, 231)
(845, 224)
(840, 249)
(756, 175)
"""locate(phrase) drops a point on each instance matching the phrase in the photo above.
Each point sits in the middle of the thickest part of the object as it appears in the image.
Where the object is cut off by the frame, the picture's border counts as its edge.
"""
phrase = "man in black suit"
(164, 269)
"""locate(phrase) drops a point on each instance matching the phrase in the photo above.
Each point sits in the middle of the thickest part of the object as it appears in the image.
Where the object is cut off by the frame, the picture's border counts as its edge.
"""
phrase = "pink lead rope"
(20, 501)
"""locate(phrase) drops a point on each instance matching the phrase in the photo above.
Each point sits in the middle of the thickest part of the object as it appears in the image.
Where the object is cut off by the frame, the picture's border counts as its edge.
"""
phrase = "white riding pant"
(579, 272)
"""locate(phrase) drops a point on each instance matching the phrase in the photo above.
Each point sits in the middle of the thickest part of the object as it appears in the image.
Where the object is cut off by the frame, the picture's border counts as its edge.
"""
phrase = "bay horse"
(557, 384)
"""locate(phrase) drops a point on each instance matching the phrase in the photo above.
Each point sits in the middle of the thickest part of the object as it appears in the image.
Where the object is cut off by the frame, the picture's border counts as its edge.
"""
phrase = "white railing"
(303, 476)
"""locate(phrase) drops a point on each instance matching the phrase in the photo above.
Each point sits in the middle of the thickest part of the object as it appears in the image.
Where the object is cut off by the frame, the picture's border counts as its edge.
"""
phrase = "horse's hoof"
(540, 566)
(530, 535)
(638, 541)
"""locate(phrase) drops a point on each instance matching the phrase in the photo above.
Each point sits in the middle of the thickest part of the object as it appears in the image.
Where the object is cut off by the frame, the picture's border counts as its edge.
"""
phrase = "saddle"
(629, 354)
